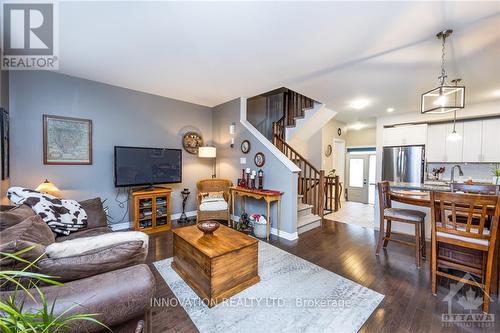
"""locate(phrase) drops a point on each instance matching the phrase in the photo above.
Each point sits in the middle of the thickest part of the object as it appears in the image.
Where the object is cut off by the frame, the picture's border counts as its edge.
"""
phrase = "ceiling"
(335, 52)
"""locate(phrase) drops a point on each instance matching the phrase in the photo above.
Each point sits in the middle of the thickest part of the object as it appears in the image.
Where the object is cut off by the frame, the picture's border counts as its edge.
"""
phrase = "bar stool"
(409, 216)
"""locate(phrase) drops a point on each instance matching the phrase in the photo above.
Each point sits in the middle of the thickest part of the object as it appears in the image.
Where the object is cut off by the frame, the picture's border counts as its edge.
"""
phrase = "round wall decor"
(339, 131)
(191, 141)
(328, 151)
(259, 159)
(245, 146)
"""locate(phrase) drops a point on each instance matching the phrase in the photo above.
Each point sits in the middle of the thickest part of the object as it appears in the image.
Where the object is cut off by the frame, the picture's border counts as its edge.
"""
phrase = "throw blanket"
(61, 215)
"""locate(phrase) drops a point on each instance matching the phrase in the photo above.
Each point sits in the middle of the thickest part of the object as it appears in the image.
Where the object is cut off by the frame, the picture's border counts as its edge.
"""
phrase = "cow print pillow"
(61, 215)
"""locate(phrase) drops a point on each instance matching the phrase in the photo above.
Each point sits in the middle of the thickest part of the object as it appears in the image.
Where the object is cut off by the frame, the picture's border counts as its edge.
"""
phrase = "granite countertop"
(420, 186)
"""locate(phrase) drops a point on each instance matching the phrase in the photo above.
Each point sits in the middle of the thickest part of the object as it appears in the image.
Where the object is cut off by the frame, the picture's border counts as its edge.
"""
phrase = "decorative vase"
(496, 180)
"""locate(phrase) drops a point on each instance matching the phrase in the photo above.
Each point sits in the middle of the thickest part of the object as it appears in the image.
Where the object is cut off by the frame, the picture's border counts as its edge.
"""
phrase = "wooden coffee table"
(215, 266)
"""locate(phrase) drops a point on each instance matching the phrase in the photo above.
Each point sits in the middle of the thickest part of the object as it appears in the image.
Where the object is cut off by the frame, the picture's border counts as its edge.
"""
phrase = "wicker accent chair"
(213, 185)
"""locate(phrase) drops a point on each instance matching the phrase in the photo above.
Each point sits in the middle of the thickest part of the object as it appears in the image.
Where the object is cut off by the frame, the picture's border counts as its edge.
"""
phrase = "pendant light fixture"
(454, 136)
(444, 98)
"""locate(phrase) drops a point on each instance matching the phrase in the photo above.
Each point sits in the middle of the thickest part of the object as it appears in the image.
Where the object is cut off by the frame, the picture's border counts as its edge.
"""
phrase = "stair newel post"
(321, 195)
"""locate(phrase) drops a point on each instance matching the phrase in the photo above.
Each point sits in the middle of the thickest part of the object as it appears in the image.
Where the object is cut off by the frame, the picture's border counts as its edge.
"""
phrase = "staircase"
(298, 115)
(315, 190)
(306, 219)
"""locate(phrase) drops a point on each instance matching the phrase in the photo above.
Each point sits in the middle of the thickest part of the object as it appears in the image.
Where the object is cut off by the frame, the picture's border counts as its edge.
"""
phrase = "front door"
(357, 182)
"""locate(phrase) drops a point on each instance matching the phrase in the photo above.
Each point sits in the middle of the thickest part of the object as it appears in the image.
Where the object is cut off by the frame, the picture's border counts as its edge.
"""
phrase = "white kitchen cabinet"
(453, 149)
(435, 150)
(472, 141)
(407, 135)
(490, 141)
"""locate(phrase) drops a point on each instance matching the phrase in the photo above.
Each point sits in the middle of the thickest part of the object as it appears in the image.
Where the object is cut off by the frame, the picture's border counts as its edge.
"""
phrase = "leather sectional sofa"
(112, 281)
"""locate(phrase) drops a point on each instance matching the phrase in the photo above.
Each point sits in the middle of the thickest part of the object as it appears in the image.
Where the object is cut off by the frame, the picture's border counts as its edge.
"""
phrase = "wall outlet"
(243, 160)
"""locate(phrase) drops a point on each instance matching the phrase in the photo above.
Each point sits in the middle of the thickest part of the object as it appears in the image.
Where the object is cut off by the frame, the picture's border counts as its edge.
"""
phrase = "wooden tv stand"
(151, 209)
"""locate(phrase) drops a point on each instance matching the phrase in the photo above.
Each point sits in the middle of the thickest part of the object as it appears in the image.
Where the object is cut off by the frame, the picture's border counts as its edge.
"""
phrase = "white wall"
(366, 137)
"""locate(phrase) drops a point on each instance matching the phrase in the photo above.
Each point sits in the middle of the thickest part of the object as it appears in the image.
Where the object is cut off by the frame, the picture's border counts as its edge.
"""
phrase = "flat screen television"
(136, 166)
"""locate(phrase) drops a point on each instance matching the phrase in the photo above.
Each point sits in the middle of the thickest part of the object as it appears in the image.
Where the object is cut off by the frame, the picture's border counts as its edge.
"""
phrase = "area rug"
(293, 295)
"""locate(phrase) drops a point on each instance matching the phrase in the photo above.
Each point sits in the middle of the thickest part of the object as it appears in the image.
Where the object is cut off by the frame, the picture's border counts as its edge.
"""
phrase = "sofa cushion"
(79, 246)
(13, 216)
(32, 232)
(33, 229)
(84, 233)
(96, 216)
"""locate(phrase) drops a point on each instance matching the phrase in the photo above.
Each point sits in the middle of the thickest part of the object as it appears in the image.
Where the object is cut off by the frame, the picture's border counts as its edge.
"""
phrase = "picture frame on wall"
(67, 140)
(4, 144)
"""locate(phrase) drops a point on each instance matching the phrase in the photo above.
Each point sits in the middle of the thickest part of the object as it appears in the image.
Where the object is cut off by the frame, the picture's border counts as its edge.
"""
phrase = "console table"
(268, 196)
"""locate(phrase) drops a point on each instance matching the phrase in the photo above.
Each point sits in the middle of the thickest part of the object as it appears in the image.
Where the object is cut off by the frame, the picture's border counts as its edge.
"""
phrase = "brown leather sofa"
(112, 281)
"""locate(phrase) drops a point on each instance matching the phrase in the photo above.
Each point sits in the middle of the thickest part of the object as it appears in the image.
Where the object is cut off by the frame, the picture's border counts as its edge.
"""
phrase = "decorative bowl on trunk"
(208, 227)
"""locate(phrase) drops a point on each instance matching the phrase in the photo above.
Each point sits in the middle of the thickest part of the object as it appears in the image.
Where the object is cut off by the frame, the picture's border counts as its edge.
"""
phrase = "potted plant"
(496, 174)
(244, 225)
(15, 317)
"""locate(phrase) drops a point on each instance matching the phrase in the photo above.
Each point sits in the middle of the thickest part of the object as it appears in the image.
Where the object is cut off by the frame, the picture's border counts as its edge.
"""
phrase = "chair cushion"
(484, 242)
(14, 216)
(213, 205)
(404, 214)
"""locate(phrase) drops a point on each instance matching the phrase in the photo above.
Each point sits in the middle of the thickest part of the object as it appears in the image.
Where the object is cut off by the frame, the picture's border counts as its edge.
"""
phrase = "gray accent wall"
(276, 175)
(119, 116)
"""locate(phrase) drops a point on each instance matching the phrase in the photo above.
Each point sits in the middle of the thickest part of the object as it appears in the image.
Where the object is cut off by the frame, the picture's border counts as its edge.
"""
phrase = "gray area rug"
(293, 295)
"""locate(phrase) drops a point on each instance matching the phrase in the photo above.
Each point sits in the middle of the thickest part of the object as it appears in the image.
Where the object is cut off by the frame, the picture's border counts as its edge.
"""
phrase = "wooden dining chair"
(389, 214)
(467, 235)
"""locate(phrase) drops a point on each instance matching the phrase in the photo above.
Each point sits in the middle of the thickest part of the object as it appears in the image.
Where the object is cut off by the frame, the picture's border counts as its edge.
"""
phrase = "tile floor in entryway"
(354, 213)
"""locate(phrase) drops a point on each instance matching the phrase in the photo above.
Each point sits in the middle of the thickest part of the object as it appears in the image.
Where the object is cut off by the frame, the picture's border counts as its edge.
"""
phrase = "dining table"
(423, 199)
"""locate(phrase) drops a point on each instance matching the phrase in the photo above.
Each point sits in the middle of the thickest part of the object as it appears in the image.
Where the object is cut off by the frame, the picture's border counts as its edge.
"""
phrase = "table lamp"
(47, 187)
(208, 152)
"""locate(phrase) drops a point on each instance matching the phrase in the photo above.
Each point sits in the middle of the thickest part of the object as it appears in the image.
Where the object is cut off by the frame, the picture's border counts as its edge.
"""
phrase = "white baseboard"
(283, 234)
(130, 224)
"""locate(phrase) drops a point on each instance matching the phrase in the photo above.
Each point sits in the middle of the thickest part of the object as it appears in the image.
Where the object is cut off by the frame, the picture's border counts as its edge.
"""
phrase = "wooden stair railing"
(309, 177)
(294, 106)
(322, 198)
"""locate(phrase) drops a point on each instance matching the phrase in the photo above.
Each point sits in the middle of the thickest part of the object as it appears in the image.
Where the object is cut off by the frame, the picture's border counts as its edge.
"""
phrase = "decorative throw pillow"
(212, 196)
(96, 216)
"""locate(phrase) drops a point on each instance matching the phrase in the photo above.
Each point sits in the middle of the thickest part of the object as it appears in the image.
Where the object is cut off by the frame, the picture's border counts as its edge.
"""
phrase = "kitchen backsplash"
(476, 171)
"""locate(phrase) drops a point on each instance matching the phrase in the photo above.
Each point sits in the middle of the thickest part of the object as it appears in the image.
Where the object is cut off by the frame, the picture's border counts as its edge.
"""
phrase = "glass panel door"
(357, 185)
(145, 213)
(161, 215)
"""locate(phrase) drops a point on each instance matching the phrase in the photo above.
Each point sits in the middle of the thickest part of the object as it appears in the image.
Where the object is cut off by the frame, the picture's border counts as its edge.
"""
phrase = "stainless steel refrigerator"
(403, 164)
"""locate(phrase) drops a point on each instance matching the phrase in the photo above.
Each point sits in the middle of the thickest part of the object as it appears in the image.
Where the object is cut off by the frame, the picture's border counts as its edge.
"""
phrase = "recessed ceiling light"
(359, 104)
(390, 110)
(357, 126)
(496, 93)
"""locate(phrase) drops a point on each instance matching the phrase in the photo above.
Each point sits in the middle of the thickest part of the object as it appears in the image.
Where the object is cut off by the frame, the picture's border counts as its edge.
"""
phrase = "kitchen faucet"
(453, 172)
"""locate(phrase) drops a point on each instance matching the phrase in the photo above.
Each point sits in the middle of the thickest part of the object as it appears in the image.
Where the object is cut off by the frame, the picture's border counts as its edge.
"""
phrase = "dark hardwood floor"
(349, 251)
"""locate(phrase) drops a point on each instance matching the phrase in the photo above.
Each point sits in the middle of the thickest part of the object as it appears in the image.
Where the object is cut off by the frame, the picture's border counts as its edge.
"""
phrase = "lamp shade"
(47, 187)
(207, 152)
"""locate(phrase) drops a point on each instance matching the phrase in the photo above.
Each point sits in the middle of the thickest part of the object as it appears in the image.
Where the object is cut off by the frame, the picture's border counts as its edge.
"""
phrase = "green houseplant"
(496, 174)
(16, 318)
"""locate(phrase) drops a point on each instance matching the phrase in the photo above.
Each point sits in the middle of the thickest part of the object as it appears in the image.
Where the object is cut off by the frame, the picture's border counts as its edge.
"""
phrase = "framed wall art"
(259, 159)
(245, 147)
(191, 141)
(67, 140)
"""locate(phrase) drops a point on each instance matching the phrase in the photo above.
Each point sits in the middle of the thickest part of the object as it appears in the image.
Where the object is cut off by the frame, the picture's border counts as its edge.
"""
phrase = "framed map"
(67, 140)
